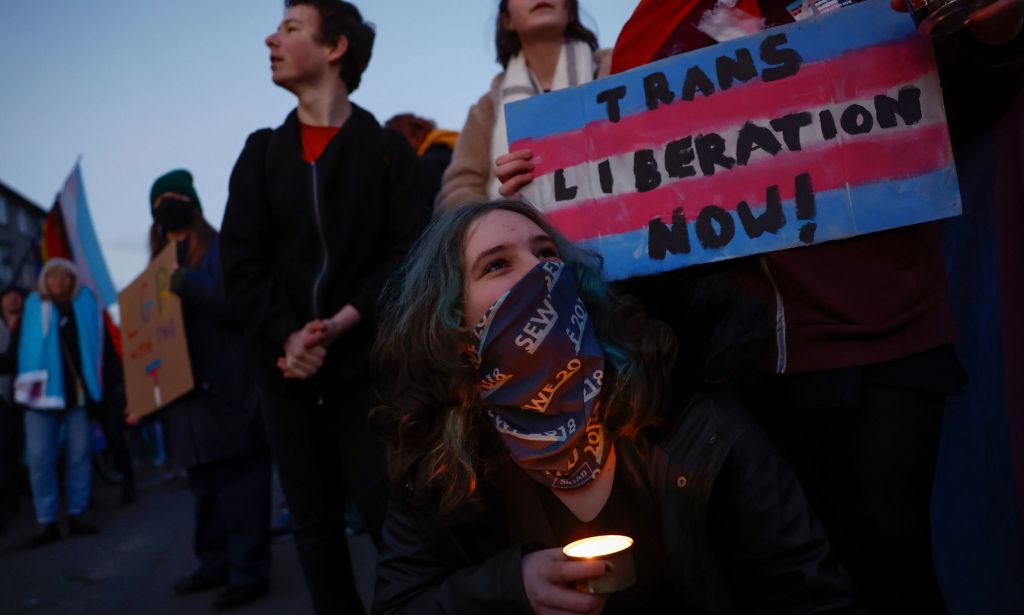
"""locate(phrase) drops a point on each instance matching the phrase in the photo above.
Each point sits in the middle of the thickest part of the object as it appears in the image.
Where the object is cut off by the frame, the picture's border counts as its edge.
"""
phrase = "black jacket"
(759, 550)
(219, 419)
(300, 241)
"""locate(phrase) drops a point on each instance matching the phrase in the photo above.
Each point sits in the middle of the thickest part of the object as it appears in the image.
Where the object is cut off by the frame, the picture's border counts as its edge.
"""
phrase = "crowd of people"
(365, 322)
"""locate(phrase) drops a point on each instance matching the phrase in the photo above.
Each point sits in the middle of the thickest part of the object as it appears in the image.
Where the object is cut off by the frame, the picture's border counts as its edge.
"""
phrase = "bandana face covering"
(541, 368)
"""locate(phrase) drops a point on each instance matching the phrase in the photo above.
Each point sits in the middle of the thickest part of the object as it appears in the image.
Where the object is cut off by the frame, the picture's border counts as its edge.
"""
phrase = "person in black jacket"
(216, 429)
(320, 211)
(523, 417)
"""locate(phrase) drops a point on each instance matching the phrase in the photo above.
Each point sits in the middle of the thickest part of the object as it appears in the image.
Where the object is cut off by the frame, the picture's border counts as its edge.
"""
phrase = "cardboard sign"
(819, 130)
(157, 369)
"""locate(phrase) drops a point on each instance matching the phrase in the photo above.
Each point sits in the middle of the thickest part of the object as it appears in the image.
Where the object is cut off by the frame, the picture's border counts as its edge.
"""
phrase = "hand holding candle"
(546, 575)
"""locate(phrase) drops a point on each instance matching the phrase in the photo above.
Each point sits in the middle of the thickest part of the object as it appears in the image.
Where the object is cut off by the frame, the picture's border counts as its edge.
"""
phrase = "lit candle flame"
(597, 546)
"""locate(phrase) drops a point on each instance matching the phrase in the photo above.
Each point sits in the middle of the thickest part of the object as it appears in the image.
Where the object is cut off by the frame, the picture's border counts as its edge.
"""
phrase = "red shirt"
(315, 139)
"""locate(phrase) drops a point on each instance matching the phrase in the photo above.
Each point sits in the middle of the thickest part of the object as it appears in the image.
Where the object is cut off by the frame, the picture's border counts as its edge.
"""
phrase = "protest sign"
(157, 369)
(815, 131)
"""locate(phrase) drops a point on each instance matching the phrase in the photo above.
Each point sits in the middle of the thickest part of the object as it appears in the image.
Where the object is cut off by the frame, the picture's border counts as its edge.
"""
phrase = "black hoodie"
(301, 240)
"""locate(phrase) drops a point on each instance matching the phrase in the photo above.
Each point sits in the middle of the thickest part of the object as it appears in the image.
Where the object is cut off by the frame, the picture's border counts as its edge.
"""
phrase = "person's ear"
(339, 50)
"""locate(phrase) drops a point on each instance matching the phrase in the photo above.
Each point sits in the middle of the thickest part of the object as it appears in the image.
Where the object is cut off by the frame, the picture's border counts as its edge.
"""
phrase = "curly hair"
(339, 18)
(440, 442)
(507, 43)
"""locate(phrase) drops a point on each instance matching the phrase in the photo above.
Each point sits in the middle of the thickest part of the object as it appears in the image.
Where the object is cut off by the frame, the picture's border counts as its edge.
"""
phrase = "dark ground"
(131, 565)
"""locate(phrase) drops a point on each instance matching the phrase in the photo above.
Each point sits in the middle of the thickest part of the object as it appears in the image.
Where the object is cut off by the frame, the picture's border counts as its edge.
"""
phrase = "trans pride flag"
(68, 233)
(815, 131)
(81, 238)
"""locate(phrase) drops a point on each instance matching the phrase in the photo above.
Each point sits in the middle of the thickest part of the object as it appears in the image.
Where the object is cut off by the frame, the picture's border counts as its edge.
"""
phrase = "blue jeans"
(42, 446)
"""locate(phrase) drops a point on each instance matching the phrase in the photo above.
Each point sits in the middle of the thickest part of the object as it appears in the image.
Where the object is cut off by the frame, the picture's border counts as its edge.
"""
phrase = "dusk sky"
(137, 88)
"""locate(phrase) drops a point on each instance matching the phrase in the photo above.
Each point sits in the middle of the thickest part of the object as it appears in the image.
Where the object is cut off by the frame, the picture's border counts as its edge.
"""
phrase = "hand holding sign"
(514, 170)
(157, 368)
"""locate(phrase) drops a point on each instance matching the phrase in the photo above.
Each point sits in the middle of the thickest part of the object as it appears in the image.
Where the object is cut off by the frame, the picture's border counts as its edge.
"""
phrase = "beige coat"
(471, 168)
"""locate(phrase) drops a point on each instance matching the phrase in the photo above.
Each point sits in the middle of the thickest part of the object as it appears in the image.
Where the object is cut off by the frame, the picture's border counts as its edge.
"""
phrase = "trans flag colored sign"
(815, 131)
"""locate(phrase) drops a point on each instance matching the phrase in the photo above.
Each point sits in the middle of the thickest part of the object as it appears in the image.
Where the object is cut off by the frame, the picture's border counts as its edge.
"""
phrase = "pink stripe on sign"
(877, 69)
(901, 156)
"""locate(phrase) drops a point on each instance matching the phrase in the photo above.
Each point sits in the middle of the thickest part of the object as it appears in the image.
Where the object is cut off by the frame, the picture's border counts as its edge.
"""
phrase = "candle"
(597, 546)
(612, 548)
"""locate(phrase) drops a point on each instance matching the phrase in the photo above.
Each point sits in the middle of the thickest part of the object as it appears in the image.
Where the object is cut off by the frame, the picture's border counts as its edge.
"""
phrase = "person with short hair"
(320, 210)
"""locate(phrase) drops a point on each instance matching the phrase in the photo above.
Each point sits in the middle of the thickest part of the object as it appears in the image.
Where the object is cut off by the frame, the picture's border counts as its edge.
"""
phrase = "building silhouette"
(21, 223)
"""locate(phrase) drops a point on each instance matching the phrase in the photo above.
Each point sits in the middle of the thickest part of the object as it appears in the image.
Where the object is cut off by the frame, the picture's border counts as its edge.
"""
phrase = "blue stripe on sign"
(155, 364)
(887, 204)
(869, 23)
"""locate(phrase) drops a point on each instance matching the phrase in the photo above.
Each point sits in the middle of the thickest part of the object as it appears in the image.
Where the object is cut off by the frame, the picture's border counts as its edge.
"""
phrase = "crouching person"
(519, 421)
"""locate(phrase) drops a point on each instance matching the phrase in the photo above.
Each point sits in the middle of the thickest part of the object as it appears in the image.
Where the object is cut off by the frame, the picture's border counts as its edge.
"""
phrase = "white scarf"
(575, 67)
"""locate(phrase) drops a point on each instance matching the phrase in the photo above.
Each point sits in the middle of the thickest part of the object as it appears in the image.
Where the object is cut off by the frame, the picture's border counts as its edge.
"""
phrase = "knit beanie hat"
(178, 181)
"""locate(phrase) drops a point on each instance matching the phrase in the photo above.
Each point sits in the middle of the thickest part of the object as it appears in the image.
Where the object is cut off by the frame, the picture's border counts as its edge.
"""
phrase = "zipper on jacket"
(780, 320)
(323, 245)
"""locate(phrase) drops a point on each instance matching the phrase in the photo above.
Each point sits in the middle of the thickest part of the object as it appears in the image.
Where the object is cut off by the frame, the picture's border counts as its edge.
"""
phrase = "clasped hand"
(306, 349)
